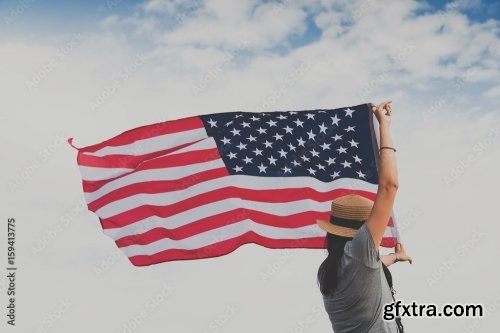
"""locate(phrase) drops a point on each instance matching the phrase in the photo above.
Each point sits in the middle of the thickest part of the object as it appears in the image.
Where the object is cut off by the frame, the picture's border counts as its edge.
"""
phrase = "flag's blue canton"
(326, 144)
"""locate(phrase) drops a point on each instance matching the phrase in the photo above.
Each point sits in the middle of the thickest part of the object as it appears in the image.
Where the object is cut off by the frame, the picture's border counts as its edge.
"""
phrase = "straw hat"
(348, 214)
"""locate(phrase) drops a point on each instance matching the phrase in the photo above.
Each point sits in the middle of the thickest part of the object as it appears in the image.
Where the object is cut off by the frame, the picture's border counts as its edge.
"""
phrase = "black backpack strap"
(398, 318)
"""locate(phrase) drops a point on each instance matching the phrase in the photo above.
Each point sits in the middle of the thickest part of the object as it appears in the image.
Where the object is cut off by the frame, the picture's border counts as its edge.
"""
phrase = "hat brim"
(336, 229)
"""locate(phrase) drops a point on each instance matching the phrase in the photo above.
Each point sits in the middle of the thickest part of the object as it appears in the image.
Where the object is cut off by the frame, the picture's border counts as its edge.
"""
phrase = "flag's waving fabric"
(202, 186)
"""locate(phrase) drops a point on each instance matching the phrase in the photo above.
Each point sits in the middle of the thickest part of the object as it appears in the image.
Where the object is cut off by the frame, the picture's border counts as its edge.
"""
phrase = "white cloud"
(109, 21)
(227, 23)
(445, 43)
(493, 92)
(463, 4)
(166, 6)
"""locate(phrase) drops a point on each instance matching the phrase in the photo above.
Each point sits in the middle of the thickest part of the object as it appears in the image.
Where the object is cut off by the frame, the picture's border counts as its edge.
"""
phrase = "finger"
(383, 105)
(380, 104)
(386, 102)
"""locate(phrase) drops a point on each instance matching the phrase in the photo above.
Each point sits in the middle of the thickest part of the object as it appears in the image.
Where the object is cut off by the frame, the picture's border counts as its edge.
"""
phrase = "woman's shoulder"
(361, 248)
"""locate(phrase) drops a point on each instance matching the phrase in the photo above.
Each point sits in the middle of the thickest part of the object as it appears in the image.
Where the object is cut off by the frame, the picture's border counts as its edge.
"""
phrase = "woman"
(354, 279)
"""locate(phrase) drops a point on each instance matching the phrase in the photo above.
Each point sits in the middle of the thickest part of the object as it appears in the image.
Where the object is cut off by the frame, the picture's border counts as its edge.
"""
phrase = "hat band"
(348, 223)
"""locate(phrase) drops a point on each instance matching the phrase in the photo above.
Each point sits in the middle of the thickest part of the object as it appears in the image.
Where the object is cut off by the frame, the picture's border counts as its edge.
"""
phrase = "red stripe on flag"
(148, 131)
(227, 246)
(267, 196)
(388, 242)
(217, 221)
(175, 160)
(123, 161)
(151, 187)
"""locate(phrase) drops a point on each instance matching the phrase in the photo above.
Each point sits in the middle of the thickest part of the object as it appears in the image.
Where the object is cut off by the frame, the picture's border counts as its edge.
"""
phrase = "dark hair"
(327, 271)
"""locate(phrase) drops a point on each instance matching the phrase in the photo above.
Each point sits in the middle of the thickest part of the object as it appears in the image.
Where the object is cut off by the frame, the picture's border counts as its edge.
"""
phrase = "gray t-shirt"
(357, 303)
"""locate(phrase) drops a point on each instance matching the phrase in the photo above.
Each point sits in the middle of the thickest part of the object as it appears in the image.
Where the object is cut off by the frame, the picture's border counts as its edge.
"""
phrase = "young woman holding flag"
(354, 279)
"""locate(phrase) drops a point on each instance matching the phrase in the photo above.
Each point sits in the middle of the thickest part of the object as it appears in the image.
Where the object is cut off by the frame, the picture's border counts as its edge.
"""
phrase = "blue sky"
(40, 17)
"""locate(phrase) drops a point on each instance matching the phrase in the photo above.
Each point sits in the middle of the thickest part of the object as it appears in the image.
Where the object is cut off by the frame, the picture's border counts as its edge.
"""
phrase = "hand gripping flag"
(202, 186)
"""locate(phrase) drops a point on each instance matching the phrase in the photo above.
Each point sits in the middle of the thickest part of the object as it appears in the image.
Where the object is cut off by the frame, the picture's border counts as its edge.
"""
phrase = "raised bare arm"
(388, 177)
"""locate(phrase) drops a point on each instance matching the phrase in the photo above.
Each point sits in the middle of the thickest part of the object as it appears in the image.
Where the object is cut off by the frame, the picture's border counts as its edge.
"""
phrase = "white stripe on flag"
(214, 208)
(172, 173)
(96, 173)
(225, 233)
(221, 234)
(240, 181)
(150, 145)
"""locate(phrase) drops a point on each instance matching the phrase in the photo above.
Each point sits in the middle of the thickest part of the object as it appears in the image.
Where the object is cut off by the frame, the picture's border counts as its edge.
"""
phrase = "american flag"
(202, 186)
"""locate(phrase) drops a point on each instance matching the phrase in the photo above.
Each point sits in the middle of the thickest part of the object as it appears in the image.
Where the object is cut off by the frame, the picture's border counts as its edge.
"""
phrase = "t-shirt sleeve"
(362, 247)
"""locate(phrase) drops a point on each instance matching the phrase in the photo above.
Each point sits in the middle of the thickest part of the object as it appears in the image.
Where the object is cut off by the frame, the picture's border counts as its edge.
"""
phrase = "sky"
(93, 69)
